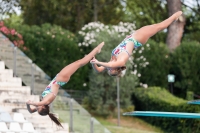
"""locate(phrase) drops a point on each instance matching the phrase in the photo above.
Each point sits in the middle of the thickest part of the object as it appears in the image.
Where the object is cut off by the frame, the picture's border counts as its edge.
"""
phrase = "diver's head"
(43, 110)
(116, 71)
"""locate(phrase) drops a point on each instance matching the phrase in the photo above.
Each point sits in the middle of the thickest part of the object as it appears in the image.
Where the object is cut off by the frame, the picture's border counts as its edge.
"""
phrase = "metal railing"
(78, 118)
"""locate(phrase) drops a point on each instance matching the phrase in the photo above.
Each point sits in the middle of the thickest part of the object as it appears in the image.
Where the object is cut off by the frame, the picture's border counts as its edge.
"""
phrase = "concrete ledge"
(10, 84)
(11, 80)
(2, 65)
(6, 72)
(22, 98)
(13, 91)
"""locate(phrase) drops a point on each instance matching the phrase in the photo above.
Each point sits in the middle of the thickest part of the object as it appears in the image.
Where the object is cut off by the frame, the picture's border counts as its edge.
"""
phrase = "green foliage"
(192, 27)
(185, 66)
(102, 95)
(12, 34)
(158, 99)
(152, 62)
(52, 48)
(159, 63)
(190, 95)
(8, 7)
(71, 15)
(14, 21)
(146, 12)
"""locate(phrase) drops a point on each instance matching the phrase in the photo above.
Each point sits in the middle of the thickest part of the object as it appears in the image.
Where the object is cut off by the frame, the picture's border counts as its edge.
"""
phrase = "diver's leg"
(143, 34)
(65, 74)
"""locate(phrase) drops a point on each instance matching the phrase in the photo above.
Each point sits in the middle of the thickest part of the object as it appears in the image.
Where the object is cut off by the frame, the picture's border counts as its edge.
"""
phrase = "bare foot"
(99, 47)
(178, 14)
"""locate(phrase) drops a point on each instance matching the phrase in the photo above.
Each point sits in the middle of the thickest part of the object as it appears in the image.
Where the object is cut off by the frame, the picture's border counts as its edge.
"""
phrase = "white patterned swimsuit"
(122, 46)
(48, 88)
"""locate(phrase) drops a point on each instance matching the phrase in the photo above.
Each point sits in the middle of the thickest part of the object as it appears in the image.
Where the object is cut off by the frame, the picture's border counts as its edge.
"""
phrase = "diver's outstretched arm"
(41, 103)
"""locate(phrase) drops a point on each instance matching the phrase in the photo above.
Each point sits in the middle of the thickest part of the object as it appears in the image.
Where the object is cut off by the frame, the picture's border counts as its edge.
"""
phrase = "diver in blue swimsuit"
(123, 51)
(49, 94)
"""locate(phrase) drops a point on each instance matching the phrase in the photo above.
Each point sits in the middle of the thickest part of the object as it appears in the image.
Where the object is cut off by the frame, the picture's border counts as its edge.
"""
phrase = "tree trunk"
(175, 30)
(95, 11)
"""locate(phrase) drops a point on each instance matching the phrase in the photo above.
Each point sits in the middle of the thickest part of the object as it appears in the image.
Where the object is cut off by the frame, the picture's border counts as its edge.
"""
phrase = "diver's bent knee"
(64, 78)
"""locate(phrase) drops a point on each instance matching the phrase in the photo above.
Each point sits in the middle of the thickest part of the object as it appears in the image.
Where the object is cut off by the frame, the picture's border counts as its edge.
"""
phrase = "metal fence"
(78, 118)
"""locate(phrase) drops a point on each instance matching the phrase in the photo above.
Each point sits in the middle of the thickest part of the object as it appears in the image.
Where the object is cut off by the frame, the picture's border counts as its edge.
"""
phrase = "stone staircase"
(13, 97)
(35, 81)
(30, 73)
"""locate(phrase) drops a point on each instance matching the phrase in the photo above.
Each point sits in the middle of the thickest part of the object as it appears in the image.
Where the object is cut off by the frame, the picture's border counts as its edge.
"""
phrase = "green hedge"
(185, 66)
(159, 99)
(183, 62)
(52, 48)
(154, 66)
(101, 99)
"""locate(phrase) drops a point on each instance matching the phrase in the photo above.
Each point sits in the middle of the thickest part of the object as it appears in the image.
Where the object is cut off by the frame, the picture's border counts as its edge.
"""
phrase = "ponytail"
(45, 111)
(55, 119)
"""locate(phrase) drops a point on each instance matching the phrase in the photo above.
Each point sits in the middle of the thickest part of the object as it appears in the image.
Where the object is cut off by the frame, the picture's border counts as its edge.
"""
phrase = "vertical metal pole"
(71, 115)
(14, 61)
(32, 78)
(91, 125)
(51, 107)
(171, 85)
(118, 101)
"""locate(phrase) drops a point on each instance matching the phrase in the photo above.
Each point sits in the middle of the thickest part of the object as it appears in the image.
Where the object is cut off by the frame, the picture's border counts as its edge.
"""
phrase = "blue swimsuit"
(122, 46)
(48, 88)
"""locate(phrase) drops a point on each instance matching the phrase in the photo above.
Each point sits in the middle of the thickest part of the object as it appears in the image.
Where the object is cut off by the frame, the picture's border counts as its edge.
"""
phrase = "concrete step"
(37, 77)
(14, 105)
(23, 68)
(25, 64)
(4, 42)
(8, 84)
(38, 85)
(2, 65)
(9, 62)
(13, 97)
(9, 56)
(6, 73)
(20, 91)
(18, 99)
(6, 45)
(11, 80)
(16, 93)
(44, 123)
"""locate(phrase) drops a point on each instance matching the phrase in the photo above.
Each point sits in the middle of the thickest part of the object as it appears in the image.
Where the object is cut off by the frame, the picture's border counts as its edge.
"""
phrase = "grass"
(81, 121)
(128, 125)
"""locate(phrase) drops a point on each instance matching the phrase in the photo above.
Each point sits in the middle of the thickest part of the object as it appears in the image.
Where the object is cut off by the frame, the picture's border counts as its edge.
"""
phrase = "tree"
(101, 99)
(108, 12)
(192, 27)
(102, 95)
(146, 12)
(184, 62)
(149, 59)
(175, 30)
(8, 7)
(71, 14)
(52, 48)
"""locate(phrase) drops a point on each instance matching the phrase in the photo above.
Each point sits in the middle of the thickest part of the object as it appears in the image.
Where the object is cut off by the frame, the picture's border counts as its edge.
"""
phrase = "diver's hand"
(29, 102)
(94, 61)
